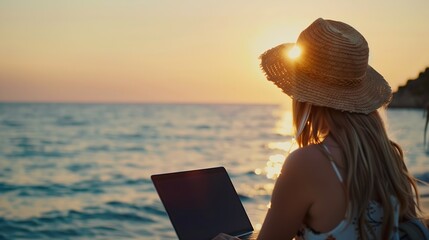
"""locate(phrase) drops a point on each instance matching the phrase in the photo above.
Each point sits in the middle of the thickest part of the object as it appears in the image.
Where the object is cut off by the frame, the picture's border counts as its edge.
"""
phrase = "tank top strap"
(331, 159)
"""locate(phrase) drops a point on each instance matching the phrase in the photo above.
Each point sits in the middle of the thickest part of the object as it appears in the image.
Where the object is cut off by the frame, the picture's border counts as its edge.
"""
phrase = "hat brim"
(370, 94)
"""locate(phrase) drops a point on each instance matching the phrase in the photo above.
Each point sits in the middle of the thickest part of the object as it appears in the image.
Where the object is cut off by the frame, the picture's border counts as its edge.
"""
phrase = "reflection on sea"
(273, 167)
(278, 151)
(287, 146)
(284, 127)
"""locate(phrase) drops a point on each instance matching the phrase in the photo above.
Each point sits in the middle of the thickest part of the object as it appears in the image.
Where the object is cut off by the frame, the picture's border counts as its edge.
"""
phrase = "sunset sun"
(294, 52)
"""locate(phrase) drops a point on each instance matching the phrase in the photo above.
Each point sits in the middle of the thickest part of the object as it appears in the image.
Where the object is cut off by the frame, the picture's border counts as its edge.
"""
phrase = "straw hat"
(332, 69)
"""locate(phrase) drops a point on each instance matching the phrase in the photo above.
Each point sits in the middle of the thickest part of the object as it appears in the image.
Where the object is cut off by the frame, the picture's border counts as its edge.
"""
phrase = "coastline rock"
(414, 94)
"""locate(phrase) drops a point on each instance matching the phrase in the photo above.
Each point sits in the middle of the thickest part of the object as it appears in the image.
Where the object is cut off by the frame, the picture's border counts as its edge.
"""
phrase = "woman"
(347, 180)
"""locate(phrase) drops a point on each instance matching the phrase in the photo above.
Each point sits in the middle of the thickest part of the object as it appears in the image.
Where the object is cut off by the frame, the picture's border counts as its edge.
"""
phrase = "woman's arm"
(291, 199)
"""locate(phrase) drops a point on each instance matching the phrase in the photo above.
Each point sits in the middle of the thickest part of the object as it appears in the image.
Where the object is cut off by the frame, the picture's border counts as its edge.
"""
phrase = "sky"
(170, 51)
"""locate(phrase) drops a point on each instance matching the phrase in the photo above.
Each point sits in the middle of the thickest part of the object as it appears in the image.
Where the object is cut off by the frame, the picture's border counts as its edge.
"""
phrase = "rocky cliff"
(414, 94)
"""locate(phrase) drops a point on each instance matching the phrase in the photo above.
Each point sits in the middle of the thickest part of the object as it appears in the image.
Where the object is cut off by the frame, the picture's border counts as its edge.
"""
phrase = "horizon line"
(136, 102)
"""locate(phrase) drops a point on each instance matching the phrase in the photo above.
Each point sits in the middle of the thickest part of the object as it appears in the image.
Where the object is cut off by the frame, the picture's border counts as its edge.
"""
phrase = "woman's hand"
(223, 236)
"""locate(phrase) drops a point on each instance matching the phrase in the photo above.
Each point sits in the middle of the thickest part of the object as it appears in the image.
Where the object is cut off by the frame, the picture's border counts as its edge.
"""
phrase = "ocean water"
(82, 171)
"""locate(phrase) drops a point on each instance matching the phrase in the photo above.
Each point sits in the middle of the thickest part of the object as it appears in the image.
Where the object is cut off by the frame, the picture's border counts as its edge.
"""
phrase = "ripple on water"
(89, 222)
(24, 147)
(244, 198)
(66, 121)
(47, 190)
(78, 167)
(12, 123)
(144, 209)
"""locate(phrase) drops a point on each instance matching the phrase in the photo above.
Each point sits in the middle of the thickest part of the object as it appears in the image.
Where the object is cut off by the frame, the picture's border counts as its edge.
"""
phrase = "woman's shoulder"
(308, 155)
(309, 164)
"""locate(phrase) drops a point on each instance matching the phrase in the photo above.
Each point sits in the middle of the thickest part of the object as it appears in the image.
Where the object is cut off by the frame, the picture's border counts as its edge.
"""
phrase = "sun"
(294, 52)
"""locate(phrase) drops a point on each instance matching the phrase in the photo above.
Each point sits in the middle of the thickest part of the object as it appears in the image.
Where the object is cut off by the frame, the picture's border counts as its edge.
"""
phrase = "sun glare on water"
(281, 149)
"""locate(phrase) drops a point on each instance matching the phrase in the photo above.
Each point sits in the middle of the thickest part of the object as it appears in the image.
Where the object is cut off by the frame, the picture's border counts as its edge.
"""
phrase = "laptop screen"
(202, 203)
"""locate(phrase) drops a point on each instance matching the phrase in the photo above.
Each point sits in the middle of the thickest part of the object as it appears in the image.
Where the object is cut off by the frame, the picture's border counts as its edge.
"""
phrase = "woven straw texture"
(332, 70)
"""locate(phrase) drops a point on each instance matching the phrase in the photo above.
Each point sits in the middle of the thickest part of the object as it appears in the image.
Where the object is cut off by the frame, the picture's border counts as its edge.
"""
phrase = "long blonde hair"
(373, 164)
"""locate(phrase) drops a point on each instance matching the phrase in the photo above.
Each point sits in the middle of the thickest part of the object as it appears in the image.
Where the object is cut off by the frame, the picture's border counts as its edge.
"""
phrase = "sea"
(82, 171)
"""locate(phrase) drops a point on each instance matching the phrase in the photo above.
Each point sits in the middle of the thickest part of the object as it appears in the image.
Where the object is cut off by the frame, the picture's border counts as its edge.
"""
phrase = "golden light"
(284, 126)
(294, 52)
(274, 166)
(287, 146)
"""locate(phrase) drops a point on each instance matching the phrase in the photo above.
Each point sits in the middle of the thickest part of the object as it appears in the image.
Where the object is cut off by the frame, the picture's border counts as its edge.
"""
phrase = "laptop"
(202, 203)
